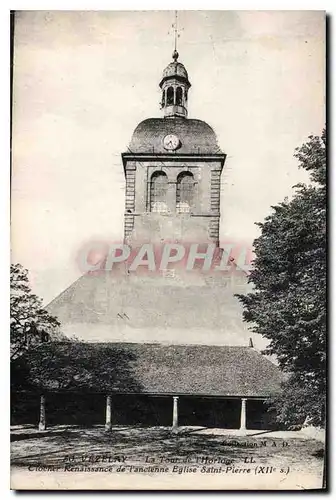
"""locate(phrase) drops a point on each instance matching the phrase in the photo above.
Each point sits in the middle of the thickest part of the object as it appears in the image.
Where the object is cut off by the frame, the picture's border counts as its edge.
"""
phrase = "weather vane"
(175, 30)
(176, 36)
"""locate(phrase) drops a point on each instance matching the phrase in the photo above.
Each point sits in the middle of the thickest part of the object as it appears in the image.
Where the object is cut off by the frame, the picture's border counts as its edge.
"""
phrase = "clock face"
(171, 142)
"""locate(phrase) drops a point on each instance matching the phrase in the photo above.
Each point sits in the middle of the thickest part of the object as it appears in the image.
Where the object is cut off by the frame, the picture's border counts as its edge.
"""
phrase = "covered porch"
(90, 409)
(75, 383)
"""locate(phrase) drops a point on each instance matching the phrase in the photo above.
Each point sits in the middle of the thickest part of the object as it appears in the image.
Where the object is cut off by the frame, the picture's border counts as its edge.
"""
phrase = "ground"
(70, 457)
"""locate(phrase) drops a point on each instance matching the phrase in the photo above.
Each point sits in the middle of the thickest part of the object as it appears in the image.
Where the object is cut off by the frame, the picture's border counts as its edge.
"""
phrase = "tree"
(78, 367)
(30, 323)
(288, 301)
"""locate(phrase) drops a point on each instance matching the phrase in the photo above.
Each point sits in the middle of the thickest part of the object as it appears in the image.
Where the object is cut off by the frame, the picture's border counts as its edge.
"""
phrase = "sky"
(82, 82)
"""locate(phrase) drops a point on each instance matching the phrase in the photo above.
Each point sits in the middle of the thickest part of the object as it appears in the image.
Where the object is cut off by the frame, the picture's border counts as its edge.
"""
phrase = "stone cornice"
(175, 157)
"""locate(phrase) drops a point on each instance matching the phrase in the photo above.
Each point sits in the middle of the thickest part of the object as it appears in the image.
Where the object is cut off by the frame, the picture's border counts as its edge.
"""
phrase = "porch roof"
(152, 369)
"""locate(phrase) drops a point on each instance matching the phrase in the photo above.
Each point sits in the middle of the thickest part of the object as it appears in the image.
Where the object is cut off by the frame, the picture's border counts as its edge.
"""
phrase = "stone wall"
(201, 224)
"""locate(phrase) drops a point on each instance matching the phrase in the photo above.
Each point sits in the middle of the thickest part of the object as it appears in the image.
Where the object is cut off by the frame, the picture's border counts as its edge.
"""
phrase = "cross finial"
(175, 53)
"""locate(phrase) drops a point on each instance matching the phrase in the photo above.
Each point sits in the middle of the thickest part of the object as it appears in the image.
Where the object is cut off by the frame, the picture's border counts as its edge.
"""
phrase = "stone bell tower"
(173, 169)
(173, 172)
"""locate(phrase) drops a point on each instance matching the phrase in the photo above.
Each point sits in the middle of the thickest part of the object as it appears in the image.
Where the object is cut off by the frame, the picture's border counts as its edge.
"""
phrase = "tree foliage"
(30, 323)
(288, 301)
(76, 366)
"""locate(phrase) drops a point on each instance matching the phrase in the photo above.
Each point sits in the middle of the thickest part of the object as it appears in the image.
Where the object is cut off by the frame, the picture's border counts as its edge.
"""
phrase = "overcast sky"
(84, 80)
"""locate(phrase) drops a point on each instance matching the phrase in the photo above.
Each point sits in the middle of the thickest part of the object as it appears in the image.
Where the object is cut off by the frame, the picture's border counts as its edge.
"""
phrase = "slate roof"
(141, 301)
(157, 369)
(196, 136)
(190, 308)
(175, 69)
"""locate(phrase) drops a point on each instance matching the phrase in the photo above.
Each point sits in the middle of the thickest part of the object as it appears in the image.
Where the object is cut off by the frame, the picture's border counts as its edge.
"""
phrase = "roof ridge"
(67, 342)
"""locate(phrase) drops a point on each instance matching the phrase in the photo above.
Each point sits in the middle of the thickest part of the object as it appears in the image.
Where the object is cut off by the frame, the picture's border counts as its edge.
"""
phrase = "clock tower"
(173, 168)
(173, 172)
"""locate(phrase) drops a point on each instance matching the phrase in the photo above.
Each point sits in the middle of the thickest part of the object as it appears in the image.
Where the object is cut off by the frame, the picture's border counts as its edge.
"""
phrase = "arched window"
(170, 96)
(179, 96)
(158, 192)
(163, 102)
(185, 188)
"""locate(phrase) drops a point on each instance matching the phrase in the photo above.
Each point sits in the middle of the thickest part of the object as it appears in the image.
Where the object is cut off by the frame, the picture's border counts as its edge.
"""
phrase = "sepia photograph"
(168, 319)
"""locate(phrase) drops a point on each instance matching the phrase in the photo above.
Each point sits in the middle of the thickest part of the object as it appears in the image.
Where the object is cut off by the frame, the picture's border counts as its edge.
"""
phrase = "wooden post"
(243, 415)
(108, 421)
(42, 422)
(175, 412)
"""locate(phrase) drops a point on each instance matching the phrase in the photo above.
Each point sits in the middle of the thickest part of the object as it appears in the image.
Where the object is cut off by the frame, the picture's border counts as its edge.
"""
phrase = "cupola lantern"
(175, 85)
